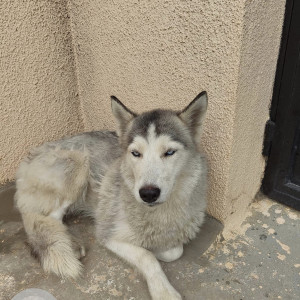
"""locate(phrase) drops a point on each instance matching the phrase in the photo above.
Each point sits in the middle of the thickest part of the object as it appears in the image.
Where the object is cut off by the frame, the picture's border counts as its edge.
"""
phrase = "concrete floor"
(261, 262)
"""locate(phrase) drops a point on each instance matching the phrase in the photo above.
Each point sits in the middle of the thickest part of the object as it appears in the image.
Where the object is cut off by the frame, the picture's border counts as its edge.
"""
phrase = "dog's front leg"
(158, 284)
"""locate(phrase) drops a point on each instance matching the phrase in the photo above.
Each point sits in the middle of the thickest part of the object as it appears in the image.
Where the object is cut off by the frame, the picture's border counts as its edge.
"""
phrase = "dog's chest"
(164, 230)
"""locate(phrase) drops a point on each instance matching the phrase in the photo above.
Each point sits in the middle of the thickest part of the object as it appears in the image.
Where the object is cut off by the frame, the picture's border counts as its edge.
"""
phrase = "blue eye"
(170, 152)
(136, 153)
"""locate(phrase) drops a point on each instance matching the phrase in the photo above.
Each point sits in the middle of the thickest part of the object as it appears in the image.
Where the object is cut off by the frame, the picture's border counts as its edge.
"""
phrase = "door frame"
(270, 184)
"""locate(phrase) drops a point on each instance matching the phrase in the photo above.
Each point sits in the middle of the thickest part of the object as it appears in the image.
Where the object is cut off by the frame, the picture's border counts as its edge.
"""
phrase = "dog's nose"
(149, 194)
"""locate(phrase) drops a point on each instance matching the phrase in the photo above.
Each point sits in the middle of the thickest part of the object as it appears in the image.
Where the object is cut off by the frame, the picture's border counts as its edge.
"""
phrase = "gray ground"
(263, 262)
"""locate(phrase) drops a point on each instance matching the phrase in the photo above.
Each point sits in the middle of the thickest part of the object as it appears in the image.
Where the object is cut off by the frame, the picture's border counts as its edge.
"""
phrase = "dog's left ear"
(122, 114)
(193, 114)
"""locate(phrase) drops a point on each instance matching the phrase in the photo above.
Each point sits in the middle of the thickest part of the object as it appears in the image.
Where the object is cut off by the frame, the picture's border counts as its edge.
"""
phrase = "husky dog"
(145, 187)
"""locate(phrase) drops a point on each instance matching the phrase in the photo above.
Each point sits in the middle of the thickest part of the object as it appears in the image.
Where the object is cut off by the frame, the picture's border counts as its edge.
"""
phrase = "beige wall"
(38, 87)
(162, 53)
(149, 54)
(262, 28)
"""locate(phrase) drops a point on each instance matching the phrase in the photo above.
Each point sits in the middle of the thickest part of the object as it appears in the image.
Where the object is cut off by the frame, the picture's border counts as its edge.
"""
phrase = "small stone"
(280, 220)
(263, 237)
(281, 256)
(240, 254)
(271, 231)
(229, 266)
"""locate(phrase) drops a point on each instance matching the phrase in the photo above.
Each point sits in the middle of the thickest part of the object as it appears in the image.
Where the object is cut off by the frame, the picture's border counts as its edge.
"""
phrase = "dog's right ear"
(122, 114)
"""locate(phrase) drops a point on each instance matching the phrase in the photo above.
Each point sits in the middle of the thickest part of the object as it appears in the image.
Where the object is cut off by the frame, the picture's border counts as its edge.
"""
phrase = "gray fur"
(165, 121)
(96, 173)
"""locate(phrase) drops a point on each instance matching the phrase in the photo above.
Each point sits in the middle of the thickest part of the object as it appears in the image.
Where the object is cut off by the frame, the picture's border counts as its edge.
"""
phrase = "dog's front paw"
(169, 255)
(169, 295)
(163, 291)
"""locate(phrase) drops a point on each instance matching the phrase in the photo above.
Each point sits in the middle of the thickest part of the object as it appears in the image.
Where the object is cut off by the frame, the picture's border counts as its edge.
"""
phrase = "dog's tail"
(47, 184)
(51, 243)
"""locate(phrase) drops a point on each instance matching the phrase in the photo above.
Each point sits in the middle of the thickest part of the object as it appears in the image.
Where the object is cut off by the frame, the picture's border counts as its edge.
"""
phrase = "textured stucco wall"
(162, 53)
(262, 29)
(38, 87)
(149, 54)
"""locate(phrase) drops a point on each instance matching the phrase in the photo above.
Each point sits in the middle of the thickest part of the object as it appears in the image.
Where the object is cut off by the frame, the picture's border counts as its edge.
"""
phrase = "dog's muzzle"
(149, 194)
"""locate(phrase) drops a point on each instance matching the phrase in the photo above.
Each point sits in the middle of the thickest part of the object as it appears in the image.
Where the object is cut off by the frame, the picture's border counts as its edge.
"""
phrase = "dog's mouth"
(152, 204)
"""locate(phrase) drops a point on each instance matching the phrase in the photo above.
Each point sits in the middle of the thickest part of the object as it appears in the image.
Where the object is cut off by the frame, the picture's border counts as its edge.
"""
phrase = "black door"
(282, 144)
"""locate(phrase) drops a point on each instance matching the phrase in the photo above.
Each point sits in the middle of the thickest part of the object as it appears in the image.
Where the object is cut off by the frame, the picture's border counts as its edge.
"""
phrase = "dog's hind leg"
(158, 284)
(52, 245)
(49, 182)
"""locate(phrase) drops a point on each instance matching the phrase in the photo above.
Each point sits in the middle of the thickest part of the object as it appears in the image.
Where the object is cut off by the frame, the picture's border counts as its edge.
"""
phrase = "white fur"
(152, 167)
(170, 254)
(121, 230)
(60, 211)
(97, 173)
(159, 286)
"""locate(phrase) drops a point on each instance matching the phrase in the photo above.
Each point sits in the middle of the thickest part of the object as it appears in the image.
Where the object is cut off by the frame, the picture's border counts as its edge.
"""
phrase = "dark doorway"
(282, 140)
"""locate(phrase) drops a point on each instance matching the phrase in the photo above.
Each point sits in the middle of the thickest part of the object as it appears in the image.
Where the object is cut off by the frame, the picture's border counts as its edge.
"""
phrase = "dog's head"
(157, 146)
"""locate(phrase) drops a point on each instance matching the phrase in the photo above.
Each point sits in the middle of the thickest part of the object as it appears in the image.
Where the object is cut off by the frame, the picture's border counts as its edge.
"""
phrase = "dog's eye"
(136, 153)
(170, 152)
